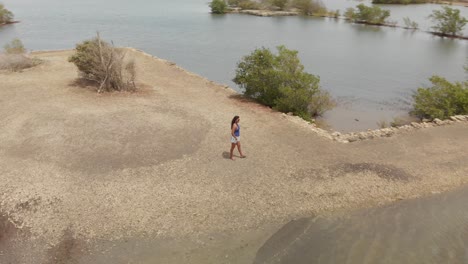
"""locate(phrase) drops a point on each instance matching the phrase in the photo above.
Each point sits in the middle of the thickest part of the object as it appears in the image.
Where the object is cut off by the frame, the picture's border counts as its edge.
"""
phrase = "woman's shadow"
(226, 155)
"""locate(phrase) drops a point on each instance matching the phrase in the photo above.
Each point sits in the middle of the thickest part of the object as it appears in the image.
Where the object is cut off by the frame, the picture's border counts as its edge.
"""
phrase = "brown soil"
(79, 168)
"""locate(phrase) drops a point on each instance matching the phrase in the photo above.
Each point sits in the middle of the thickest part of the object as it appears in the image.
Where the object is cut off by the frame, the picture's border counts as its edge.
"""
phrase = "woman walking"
(235, 137)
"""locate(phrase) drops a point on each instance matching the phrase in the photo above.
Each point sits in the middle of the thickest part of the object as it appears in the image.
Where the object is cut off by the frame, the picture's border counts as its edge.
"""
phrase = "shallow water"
(371, 71)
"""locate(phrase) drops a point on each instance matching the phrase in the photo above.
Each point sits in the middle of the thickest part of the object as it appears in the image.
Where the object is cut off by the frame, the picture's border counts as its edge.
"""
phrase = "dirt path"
(154, 164)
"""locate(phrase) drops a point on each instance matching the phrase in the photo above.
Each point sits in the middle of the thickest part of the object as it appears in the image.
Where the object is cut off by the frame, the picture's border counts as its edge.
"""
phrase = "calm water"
(371, 71)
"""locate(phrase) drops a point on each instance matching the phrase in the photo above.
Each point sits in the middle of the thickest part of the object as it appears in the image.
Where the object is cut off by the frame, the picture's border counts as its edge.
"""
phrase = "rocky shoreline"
(376, 133)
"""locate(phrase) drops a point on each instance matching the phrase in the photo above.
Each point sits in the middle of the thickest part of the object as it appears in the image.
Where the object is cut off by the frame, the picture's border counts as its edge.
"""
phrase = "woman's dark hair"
(234, 120)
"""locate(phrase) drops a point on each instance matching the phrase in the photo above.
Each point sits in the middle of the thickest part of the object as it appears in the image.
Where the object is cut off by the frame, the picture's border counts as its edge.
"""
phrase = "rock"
(416, 125)
(425, 120)
(290, 114)
(353, 138)
(336, 134)
(438, 121)
(362, 135)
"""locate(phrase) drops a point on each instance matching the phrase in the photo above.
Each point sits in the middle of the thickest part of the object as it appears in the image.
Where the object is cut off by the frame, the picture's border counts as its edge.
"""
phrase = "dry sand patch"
(152, 164)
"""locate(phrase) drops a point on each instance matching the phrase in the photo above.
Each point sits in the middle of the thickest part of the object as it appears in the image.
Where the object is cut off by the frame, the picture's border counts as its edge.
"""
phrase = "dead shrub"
(15, 47)
(16, 62)
(104, 64)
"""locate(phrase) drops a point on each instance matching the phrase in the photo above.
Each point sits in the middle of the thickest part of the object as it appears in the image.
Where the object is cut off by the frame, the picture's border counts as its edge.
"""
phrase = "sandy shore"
(115, 170)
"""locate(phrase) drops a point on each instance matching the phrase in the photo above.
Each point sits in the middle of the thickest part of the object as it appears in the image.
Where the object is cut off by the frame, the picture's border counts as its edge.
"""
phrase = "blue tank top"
(237, 131)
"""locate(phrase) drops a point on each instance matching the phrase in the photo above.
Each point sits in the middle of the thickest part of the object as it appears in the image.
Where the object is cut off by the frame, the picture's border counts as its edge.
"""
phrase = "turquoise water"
(371, 71)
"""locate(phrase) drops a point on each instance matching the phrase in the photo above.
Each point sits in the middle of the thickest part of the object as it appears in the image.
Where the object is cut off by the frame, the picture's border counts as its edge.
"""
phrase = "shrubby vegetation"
(14, 57)
(249, 5)
(306, 7)
(448, 21)
(101, 62)
(233, 2)
(281, 4)
(218, 6)
(15, 47)
(442, 100)
(409, 24)
(279, 81)
(6, 16)
(399, 2)
(310, 7)
(369, 15)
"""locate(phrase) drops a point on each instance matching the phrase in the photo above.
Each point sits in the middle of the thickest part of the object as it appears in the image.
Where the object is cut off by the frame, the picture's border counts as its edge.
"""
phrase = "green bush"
(233, 2)
(218, 7)
(448, 21)
(442, 100)
(102, 63)
(320, 103)
(350, 13)
(281, 4)
(309, 7)
(279, 81)
(6, 16)
(249, 5)
(337, 14)
(15, 47)
(370, 15)
(399, 2)
(410, 24)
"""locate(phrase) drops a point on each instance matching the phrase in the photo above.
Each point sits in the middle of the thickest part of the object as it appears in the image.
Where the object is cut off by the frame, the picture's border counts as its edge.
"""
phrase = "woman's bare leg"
(239, 148)
(232, 150)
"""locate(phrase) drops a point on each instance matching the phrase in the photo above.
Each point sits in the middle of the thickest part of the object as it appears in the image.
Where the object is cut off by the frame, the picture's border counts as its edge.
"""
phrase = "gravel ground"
(110, 167)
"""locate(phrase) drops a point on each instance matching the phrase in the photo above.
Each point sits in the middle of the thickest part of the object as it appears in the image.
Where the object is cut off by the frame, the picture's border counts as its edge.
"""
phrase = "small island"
(6, 16)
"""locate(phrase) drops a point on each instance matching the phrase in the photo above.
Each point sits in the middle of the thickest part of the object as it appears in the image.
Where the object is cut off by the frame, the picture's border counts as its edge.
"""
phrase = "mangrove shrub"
(442, 100)
(399, 2)
(218, 6)
(448, 21)
(410, 24)
(249, 5)
(279, 81)
(281, 4)
(365, 14)
(309, 7)
(6, 16)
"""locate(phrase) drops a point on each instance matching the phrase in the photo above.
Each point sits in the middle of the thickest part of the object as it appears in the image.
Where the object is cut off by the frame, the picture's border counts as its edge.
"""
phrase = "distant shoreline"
(272, 13)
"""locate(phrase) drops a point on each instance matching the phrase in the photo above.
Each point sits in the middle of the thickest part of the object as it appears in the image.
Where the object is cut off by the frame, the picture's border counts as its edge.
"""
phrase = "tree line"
(447, 21)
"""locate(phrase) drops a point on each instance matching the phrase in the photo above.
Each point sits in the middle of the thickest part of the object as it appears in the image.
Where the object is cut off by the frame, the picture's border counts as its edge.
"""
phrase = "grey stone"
(438, 121)
(336, 134)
